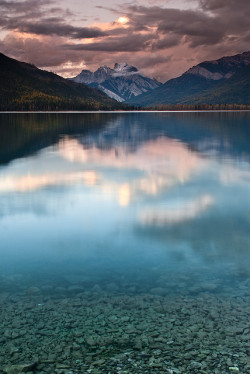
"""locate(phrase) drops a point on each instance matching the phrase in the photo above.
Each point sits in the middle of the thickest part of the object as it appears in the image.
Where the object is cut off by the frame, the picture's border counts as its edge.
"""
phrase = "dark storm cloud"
(165, 42)
(198, 27)
(28, 8)
(234, 15)
(213, 23)
(128, 43)
(31, 16)
(57, 27)
(230, 5)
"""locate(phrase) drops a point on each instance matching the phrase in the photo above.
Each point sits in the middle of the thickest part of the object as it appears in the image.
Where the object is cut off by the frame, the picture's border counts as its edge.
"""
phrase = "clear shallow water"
(125, 209)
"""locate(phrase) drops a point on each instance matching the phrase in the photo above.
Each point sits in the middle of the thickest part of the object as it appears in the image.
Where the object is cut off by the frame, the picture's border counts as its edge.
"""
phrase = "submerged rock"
(119, 333)
(16, 369)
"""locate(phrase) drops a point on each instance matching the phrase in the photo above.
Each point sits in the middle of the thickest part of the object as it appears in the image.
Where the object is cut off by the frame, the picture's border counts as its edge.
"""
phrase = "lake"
(125, 242)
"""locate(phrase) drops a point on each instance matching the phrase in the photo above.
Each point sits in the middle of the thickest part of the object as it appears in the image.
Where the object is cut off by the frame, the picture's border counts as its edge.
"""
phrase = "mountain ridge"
(120, 83)
(225, 81)
(25, 87)
(210, 82)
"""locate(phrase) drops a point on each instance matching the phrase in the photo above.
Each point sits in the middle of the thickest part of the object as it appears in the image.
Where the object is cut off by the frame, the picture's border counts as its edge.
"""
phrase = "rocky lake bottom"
(111, 327)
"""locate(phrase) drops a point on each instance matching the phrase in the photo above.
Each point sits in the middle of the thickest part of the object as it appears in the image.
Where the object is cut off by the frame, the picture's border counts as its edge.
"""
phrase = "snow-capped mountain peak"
(121, 83)
(123, 68)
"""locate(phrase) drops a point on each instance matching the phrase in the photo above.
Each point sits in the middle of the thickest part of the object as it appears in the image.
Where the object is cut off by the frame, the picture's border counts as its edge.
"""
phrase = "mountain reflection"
(220, 134)
(121, 187)
(154, 167)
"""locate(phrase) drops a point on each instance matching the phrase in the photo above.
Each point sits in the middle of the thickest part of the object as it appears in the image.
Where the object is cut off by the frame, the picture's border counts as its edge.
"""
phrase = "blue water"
(134, 203)
(140, 191)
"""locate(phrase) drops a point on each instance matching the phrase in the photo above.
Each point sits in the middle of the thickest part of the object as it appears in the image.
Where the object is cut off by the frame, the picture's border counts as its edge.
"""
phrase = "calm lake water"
(127, 237)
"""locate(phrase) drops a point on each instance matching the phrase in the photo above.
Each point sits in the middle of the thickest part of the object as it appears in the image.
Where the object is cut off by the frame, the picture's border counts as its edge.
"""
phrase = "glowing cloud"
(123, 20)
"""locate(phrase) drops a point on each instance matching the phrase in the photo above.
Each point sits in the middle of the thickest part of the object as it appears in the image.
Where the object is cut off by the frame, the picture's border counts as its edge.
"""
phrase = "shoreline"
(126, 111)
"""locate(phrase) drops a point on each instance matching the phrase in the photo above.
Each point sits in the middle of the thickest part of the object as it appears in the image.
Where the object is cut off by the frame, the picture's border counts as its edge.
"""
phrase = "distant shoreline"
(125, 111)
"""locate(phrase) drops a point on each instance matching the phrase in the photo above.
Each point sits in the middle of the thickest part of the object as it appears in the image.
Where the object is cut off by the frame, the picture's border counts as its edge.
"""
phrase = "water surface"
(145, 211)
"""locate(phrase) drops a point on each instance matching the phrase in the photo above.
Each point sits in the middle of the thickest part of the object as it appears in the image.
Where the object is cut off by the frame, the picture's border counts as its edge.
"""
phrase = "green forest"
(26, 88)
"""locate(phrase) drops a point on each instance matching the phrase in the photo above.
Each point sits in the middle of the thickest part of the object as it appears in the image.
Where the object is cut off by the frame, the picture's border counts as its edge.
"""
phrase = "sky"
(162, 38)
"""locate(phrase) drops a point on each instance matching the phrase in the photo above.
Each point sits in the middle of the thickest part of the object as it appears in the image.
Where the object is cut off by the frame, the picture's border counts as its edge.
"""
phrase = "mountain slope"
(121, 83)
(235, 90)
(223, 81)
(25, 87)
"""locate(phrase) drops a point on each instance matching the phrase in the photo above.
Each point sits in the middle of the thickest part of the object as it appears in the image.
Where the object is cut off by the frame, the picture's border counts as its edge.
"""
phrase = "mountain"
(25, 87)
(121, 83)
(223, 81)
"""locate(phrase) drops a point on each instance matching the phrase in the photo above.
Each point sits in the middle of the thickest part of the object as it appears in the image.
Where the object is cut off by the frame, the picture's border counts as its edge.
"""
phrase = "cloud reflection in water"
(159, 165)
(176, 213)
(29, 182)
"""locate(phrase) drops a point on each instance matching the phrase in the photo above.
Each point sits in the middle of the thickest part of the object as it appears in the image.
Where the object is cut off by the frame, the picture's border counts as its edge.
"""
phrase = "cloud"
(166, 42)
(172, 39)
(193, 24)
(128, 43)
(225, 5)
(23, 6)
(57, 27)
(31, 17)
(45, 52)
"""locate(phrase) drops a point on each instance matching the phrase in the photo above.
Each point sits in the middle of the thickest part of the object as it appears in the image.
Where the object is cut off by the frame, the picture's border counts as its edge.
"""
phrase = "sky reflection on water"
(141, 191)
